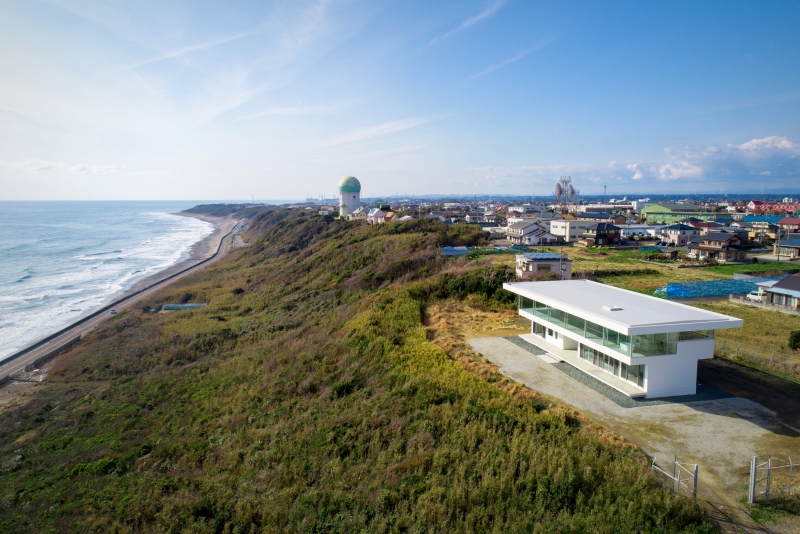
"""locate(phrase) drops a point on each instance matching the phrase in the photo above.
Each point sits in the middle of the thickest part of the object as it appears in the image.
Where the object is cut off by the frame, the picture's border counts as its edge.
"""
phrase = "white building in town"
(530, 263)
(349, 195)
(639, 345)
(569, 231)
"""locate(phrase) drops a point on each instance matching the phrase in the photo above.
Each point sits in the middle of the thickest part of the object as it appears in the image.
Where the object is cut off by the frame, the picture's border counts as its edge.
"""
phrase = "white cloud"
(92, 169)
(38, 165)
(773, 143)
(637, 172)
(514, 59)
(365, 134)
(490, 10)
(775, 157)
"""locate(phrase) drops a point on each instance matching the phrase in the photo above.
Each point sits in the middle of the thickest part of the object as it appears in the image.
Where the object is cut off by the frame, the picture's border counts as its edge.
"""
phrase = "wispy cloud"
(490, 10)
(290, 110)
(707, 166)
(38, 165)
(186, 50)
(514, 59)
(365, 134)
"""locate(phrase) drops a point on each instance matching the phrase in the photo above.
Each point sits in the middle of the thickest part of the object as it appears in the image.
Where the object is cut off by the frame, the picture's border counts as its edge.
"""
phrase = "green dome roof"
(349, 184)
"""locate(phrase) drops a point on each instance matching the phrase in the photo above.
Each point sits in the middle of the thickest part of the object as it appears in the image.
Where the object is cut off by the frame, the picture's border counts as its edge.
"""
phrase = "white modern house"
(569, 231)
(639, 345)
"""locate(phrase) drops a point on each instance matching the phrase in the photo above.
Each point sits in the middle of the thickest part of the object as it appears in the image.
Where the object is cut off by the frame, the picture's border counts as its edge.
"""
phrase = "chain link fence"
(762, 356)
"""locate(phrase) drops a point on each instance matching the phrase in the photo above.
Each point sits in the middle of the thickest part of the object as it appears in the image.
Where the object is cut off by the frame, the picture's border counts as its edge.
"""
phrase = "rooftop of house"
(789, 220)
(603, 226)
(521, 224)
(598, 216)
(619, 309)
(791, 243)
(673, 206)
(543, 256)
(790, 282)
(719, 236)
(679, 226)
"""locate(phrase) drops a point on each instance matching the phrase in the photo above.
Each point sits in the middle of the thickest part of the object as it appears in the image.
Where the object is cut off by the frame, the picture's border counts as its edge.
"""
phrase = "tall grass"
(306, 398)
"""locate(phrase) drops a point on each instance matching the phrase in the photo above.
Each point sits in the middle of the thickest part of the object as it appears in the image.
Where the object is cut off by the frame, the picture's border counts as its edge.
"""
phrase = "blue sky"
(227, 100)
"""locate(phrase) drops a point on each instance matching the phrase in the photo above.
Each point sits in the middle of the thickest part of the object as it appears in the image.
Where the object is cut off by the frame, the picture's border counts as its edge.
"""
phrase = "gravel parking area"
(720, 435)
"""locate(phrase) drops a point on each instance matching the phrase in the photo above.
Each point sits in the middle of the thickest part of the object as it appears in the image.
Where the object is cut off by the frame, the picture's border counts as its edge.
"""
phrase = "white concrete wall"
(675, 374)
(348, 203)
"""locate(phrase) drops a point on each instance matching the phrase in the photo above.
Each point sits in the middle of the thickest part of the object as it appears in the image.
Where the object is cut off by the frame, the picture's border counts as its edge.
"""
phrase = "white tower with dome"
(349, 195)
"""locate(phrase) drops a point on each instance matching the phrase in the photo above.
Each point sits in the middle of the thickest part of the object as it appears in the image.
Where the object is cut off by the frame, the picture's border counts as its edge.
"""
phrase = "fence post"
(769, 475)
(694, 491)
(791, 465)
(751, 494)
(675, 472)
(679, 482)
(772, 358)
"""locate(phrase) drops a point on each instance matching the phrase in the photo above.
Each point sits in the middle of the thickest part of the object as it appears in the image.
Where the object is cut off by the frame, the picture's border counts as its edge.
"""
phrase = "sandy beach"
(201, 250)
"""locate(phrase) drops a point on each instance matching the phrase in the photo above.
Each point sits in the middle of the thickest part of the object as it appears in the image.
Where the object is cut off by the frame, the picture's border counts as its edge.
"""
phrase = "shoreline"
(199, 251)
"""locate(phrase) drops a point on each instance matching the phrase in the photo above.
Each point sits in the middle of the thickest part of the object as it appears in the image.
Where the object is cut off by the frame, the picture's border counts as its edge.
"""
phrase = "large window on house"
(526, 304)
(631, 373)
(557, 317)
(594, 332)
(654, 344)
(698, 334)
(576, 325)
(618, 342)
(542, 311)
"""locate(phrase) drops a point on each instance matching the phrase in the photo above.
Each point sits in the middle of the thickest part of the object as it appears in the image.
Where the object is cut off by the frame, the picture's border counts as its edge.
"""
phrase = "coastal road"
(31, 354)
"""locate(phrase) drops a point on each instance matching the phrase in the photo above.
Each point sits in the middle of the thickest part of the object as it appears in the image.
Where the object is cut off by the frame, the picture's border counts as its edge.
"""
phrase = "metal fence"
(682, 477)
(775, 479)
(38, 362)
(762, 356)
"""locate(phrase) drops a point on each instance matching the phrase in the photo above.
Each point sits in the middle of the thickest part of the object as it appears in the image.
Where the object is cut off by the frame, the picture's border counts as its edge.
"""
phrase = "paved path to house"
(720, 435)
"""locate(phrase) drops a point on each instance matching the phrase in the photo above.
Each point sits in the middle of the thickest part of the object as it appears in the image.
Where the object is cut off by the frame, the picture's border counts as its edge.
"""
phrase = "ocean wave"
(80, 264)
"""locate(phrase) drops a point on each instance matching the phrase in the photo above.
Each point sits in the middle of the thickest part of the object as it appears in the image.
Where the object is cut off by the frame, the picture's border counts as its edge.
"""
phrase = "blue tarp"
(711, 288)
(652, 248)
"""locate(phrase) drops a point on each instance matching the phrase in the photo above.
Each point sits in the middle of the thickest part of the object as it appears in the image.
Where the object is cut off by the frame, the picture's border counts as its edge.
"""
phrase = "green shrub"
(794, 340)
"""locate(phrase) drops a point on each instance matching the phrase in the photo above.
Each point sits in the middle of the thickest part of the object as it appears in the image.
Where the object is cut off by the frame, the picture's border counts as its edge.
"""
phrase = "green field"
(306, 398)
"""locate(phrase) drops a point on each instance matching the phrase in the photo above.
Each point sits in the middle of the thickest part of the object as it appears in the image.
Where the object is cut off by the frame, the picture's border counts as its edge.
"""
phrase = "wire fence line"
(767, 357)
(677, 476)
(772, 479)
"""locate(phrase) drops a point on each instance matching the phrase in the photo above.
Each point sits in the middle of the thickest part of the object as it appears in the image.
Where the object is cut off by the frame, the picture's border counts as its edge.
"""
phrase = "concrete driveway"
(721, 436)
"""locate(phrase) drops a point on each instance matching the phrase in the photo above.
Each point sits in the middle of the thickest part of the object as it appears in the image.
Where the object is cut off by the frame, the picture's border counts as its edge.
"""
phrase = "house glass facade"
(636, 346)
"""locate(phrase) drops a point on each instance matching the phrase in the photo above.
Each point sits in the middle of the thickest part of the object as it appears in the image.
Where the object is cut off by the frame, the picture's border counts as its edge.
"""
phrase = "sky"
(200, 99)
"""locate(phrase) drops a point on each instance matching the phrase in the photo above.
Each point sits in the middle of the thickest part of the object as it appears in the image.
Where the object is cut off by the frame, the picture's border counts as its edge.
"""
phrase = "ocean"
(60, 261)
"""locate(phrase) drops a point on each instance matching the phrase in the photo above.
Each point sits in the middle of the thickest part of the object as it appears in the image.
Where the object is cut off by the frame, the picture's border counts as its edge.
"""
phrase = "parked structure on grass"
(634, 343)
(569, 231)
(679, 234)
(718, 246)
(601, 235)
(787, 249)
(538, 262)
(529, 233)
(783, 293)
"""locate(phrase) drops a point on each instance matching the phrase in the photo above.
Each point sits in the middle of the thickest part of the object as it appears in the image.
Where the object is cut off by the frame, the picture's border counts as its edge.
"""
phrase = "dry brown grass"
(450, 323)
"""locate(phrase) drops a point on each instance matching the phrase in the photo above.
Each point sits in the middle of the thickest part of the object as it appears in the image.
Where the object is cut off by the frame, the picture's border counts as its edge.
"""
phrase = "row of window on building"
(634, 346)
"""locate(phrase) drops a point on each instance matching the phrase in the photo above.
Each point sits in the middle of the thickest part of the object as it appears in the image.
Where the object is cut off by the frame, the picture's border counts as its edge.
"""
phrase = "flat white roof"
(636, 313)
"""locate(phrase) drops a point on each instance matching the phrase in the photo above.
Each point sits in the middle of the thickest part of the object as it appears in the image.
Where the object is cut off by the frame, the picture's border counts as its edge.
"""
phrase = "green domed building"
(349, 195)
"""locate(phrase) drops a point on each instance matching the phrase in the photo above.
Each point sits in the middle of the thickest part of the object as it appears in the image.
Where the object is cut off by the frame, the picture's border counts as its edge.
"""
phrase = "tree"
(794, 340)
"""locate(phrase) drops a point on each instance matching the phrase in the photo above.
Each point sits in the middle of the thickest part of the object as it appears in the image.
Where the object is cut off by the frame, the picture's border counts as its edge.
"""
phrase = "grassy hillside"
(306, 397)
